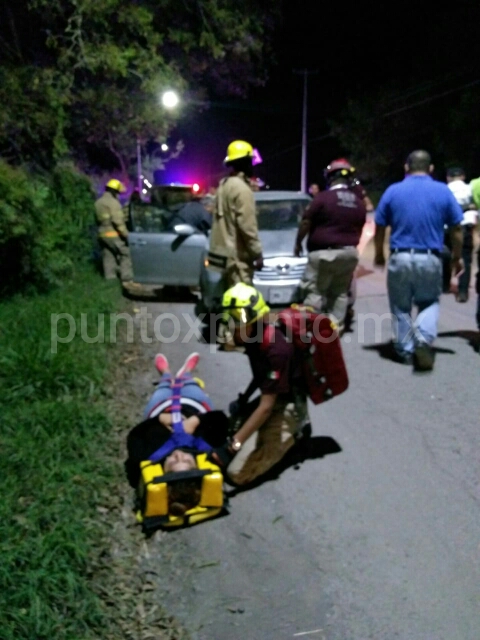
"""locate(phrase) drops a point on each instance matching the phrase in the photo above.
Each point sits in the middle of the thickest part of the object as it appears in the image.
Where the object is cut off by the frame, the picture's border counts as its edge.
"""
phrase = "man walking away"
(333, 222)
(113, 233)
(462, 193)
(416, 210)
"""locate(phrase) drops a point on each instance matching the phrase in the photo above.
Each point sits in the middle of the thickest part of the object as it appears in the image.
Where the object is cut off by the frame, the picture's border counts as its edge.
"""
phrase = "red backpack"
(316, 336)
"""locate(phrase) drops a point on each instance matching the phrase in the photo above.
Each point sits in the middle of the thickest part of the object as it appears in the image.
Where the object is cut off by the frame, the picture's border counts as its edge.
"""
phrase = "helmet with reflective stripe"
(340, 167)
(116, 185)
(243, 304)
(238, 149)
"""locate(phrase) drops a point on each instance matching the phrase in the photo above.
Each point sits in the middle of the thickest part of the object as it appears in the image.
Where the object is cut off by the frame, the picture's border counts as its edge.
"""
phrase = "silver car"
(164, 253)
(278, 215)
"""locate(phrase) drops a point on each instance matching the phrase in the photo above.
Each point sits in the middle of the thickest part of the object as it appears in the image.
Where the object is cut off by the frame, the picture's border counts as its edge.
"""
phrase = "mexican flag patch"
(274, 375)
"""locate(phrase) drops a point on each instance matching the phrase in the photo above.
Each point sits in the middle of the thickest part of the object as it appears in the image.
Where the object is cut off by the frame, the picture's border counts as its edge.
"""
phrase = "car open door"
(162, 254)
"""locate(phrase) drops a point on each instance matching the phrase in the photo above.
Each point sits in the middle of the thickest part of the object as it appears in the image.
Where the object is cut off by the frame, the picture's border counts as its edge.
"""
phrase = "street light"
(170, 100)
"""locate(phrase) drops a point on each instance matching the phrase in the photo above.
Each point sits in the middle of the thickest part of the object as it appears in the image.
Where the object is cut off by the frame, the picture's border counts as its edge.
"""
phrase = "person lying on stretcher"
(179, 422)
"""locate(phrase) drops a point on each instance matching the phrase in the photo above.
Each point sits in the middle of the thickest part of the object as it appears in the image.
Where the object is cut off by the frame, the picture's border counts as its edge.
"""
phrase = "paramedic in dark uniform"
(333, 222)
(280, 415)
(359, 190)
(416, 210)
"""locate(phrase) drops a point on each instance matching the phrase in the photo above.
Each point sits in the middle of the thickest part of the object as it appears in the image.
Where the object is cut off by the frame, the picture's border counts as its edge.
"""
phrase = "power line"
(429, 99)
(384, 115)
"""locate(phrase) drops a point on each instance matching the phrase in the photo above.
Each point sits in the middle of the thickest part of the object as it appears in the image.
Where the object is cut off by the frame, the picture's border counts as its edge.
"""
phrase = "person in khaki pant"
(113, 233)
(268, 427)
(333, 221)
(235, 249)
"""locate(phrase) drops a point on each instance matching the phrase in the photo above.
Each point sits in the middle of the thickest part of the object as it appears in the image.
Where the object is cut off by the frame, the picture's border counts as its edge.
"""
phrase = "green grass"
(54, 435)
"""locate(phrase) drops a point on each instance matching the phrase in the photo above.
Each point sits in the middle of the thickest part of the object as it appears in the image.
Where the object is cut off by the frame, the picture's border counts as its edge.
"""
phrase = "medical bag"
(316, 337)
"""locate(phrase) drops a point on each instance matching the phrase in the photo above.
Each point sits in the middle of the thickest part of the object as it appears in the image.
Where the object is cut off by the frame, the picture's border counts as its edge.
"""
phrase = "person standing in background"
(462, 193)
(113, 233)
(416, 210)
(475, 185)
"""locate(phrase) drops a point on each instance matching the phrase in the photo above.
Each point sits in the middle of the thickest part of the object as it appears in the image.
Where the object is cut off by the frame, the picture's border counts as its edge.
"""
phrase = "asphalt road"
(377, 536)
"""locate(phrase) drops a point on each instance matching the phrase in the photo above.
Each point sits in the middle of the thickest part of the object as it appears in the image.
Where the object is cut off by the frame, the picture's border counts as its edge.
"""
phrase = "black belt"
(434, 252)
(334, 246)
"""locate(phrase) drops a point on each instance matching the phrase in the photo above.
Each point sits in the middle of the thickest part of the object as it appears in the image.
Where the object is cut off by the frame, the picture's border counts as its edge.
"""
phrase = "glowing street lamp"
(170, 100)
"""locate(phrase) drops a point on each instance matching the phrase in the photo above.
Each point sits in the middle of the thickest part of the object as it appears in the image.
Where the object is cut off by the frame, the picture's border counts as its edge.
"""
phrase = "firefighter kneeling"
(295, 357)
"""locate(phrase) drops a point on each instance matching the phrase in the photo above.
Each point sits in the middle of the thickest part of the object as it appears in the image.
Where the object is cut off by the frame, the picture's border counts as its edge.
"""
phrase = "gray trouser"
(326, 280)
(115, 257)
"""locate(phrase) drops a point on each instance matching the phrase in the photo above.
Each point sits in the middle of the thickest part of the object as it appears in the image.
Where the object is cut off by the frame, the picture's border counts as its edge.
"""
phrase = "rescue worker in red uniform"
(270, 426)
(333, 222)
(359, 190)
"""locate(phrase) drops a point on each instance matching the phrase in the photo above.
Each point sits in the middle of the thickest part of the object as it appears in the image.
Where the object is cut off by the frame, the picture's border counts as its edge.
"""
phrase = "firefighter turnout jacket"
(110, 217)
(234, 241)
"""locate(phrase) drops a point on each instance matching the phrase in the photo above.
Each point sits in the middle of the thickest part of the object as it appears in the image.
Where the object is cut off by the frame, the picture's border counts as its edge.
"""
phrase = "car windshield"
(280, 214)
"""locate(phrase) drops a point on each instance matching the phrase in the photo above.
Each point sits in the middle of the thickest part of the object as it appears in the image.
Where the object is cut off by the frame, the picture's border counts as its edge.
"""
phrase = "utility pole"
(139, 168)
(303, 172)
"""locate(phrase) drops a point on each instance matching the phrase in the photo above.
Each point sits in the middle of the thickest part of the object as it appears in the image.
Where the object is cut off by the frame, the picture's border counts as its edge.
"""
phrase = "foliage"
(95, 69)
(378, 131)
(53, 436)
(44, 226)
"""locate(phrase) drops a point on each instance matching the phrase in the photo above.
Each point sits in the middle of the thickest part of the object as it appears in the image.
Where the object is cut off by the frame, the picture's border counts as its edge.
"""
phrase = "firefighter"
(113, 233)
(235, 249)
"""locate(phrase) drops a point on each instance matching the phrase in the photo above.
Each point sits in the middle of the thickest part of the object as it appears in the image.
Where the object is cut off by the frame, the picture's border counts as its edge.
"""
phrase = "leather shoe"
(424, 357)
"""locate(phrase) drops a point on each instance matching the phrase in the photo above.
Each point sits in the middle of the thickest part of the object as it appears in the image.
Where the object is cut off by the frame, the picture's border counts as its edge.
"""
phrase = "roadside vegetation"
(46, 226)
(59, 474)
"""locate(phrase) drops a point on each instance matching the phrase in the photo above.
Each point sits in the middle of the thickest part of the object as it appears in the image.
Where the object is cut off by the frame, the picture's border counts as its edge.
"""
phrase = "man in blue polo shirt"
(416, 210)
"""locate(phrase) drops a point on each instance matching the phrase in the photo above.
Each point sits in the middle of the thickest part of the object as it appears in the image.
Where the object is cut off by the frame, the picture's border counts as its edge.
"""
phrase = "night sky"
(415, 47)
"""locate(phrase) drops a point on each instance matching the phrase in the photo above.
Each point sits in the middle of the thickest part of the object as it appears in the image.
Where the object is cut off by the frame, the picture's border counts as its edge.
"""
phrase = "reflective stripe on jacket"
(110, 217)
(234, 234)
